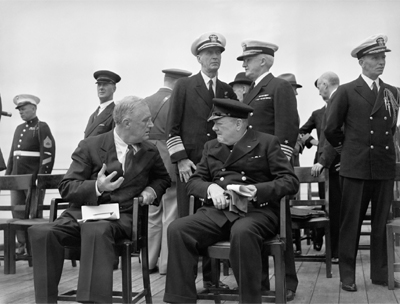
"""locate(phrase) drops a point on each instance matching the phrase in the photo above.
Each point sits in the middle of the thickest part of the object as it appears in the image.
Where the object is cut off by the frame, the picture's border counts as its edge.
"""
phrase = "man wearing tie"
(101, 121)
(113, 167)
(367, 107)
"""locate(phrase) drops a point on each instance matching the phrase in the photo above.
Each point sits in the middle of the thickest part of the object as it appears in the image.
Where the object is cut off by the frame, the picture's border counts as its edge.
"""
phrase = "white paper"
(101, 212)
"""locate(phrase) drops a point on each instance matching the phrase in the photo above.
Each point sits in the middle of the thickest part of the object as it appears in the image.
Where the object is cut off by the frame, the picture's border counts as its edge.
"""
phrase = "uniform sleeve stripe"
(287, 150)
(175, 145)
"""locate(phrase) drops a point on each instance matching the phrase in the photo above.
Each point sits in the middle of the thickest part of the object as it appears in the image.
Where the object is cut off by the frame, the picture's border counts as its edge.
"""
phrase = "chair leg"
(390, 255)
(215, 271)
(145, 272)
(11, 250)
(280, 279)
(328, 251)
(126, 274)
(7, 249)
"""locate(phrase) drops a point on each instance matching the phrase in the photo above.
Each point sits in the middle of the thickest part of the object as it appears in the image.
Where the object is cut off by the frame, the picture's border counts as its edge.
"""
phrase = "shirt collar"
(257, 81)
(207, 79)
(369, 81)
(105, 105)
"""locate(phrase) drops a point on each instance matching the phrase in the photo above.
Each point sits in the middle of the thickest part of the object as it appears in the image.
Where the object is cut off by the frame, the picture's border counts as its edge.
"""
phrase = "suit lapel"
(379, 100)
(220, 152)
(254, 92)
(364, 91)
(202, 90)
(108, 155)
(245, 145)
(103, 116)
(140, 161)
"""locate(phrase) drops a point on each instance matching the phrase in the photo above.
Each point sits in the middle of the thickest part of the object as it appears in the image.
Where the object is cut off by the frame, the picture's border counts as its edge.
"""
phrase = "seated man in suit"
(238, 156)
(105, 169)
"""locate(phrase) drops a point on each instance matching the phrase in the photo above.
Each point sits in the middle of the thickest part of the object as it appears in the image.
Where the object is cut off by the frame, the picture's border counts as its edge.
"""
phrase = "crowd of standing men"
(209, 135)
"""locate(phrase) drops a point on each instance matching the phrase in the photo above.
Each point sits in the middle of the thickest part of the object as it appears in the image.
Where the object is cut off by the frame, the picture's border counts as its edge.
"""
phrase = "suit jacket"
(191, 106)
(256, 159)
(32, 136)
(99, 124)
(275, 111)
(366, 143)
(78, 185)
(159, 104)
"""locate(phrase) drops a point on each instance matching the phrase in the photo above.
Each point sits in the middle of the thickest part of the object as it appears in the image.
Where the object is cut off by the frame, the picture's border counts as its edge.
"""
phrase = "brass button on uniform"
(222, 178)
(372, 146)
(244, 178)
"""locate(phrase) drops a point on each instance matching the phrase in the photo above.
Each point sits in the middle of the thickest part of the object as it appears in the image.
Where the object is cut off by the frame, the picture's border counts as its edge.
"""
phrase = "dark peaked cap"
(106, 77)
(224, 107)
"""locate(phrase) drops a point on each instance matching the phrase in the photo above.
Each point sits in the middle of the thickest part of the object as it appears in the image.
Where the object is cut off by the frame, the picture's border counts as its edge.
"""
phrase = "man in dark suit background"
(101, 121)
(328, 158)
(187, 127)
(161, 216)
(275, 112)
(368, 108)
(113, 167)
(238, 156)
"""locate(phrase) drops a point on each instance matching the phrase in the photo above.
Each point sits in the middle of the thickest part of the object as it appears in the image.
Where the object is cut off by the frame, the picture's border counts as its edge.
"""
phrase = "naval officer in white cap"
(32, 152)
(368, 108)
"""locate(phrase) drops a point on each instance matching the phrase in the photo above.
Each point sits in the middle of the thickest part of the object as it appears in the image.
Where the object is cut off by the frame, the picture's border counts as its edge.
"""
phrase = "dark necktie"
(375, 89)
(129, 157)
(210, 88)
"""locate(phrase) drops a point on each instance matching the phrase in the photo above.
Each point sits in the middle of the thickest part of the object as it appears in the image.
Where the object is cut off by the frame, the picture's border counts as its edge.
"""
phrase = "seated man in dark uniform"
(238, 156)
(113, 167)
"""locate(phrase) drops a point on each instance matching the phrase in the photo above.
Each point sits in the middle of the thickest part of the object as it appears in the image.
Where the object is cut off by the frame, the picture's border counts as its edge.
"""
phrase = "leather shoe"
(349, 287)
(335, 261)
(209, 284)
(290, 294)
(382, 283)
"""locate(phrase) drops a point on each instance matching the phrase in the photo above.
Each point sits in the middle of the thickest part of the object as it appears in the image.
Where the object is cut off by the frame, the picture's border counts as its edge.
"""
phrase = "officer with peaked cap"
(161, 216)
(368, 108)
(275, 112)
(191, 103)
(241, 85)
(101, 121)
(238, 155)
(32, 152)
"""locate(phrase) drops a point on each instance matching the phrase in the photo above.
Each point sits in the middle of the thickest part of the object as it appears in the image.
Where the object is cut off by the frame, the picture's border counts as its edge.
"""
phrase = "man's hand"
(316, 169)
(148, 197)
(304, 137)
(314, 142)
(217, 194)
(104, 182)
(185, 167)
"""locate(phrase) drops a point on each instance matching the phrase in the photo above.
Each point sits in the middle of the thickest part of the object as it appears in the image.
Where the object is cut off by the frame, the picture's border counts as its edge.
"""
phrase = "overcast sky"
(51, 49)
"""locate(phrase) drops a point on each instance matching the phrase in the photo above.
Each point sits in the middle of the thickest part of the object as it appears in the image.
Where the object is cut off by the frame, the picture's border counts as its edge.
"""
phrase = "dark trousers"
(356, 196)
(335, 198)
(189, 236)
(96, 239)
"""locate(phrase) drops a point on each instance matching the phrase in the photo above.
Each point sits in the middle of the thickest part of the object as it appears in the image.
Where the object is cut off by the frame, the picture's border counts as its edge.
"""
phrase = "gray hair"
(126, 107)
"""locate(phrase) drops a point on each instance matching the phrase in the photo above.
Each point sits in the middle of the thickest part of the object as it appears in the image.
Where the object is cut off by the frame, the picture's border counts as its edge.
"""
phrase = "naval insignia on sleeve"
(47, 143)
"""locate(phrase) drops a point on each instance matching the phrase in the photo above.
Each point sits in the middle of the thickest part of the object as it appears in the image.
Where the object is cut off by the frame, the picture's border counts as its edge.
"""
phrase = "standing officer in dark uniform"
(161, 216)
(32, 152)
(191, 104)
(187, 127)
(275, 112)
(101, 121)
(367, 107)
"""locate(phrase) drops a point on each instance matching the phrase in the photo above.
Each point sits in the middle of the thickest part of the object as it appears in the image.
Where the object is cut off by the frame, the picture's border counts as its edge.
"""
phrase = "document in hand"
(101, 212)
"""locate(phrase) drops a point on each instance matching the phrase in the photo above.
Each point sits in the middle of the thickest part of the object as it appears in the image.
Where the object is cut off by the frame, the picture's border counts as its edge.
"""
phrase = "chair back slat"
(19, 183)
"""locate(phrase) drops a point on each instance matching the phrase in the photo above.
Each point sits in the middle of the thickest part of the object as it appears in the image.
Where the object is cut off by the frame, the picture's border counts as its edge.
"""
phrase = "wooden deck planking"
(313, 287)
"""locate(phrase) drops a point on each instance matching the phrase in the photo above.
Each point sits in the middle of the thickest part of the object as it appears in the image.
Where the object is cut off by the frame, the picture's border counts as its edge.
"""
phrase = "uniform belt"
(26, 153)
(157, 136)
